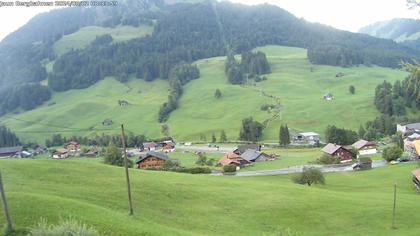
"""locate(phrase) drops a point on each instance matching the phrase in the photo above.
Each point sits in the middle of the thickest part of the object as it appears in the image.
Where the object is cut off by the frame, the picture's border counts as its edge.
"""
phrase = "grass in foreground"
(354, 203)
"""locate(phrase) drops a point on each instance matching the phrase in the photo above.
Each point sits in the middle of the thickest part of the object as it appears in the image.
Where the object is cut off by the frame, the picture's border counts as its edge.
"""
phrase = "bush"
(392, 153)
(193, 170)
(229, 168)
(170, 163)
(328, 159)
(266, 107)
(210, 162)
(309, 176)
(64, 228)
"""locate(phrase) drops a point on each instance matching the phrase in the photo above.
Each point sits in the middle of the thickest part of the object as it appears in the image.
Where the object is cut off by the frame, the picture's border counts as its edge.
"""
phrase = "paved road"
(206, 148)
(296, 169)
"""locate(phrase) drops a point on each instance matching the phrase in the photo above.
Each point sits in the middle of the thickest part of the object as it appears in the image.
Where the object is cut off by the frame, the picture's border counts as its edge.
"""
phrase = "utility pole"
(130, 203)
(393, 210)
(5, 207)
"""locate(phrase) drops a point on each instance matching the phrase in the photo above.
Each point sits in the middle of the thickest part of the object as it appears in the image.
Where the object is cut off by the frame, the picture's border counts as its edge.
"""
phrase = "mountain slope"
(398, 29)
(300, 92)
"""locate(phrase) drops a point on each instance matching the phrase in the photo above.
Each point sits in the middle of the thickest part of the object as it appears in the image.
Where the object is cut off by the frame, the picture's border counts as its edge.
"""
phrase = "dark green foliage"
(361, 132)
(309, 176)
(8, 138)
(113, 156)
(340, 136)
(180, 169)
(252, 66)
(328, 159)
(229, 168)
(179, 76)
(284, 135)
(132, 141)
(223, 137)
(25, 96)
(218, 94)
(382, 126)
(352, 89)
(170, 163)
(267, 107)
(392, 153)
(202, 160)
(102, 40)
(251, 130)
(213, 138)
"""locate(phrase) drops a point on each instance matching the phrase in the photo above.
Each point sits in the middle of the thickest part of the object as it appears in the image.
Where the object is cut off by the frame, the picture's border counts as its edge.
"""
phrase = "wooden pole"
(394, 207)
(130, 203)
(5, 207)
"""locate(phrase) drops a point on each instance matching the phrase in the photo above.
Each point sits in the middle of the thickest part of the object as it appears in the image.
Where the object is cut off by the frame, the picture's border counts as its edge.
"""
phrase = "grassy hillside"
(87, 108)
(86, 35)
(357, 203)
(299, 85)
(299, 89)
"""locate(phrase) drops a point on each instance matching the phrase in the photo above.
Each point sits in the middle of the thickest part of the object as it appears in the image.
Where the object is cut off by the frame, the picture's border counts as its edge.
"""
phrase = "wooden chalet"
(168, 146)
(343, 153)
(365, 147)
(72, 146)
(416, 178)
(10, 151)
(150, 146)
(152, 160)
(60, 153)
(231, 158)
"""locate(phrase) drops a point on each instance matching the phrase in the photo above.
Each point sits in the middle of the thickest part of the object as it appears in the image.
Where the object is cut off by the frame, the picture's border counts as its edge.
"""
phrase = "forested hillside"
(396, 29)
(182, 32)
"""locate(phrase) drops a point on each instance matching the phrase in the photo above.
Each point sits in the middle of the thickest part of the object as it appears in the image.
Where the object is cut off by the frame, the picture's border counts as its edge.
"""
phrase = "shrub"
(210, 162)
(193, 170)
(309, 176)
(328, 159)
(201, 160)
(170, 163)
(64, 228)
(229, 168)
(392, 153)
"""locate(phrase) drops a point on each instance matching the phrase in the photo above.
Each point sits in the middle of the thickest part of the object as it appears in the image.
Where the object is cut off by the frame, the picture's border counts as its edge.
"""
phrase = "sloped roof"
(362, 143)
(231, 155)
(309, 134)
(413, 126)
(61, 150)
(11, 149)
(149, 144)
(227, 161)
(416, 173)
(416, 144)
(159, 155)
(251, 155)
(331, 148)
(244, 147)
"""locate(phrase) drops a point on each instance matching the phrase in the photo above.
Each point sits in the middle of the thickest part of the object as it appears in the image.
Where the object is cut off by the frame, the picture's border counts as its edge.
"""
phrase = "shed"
(60, 153)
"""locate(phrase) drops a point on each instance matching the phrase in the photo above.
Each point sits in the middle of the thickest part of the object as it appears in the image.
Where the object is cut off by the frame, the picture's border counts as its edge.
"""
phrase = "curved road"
(296, 169)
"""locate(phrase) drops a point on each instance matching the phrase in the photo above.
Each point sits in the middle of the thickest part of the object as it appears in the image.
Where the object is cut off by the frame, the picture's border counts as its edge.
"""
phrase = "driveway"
(296, 169)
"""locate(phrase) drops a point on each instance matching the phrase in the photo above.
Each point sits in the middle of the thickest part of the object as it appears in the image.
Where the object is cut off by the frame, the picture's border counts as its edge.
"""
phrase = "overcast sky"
(342, 14)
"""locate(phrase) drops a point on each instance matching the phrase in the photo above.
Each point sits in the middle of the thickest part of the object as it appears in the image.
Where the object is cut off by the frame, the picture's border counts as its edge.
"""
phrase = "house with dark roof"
(408, 128)
(152, 160)
(10, 151)
(242, 148)
(365, 147)
(339, 151)
(255, 156)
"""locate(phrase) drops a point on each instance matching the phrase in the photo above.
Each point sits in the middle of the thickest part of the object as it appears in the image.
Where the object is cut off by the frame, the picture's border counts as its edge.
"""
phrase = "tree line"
(179, 76)
(8, 138)
(251, 67)
(103, 140)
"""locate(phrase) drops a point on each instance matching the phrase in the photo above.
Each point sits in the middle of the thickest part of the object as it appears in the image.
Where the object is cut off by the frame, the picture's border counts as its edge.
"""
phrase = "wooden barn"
(152, 160)
(242, 148)
(255, 156)
(335, 150)
(231, 158)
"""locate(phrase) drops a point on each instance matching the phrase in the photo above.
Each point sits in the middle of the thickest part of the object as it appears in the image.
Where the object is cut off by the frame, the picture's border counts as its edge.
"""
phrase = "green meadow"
(83, 37)
(298, 84)
(351, 203)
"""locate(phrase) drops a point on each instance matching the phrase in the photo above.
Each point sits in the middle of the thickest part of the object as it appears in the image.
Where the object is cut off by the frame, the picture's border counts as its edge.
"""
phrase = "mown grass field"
(75, 111)
(83, 37)
(353, 203)
(199, 112)
(299, 89)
